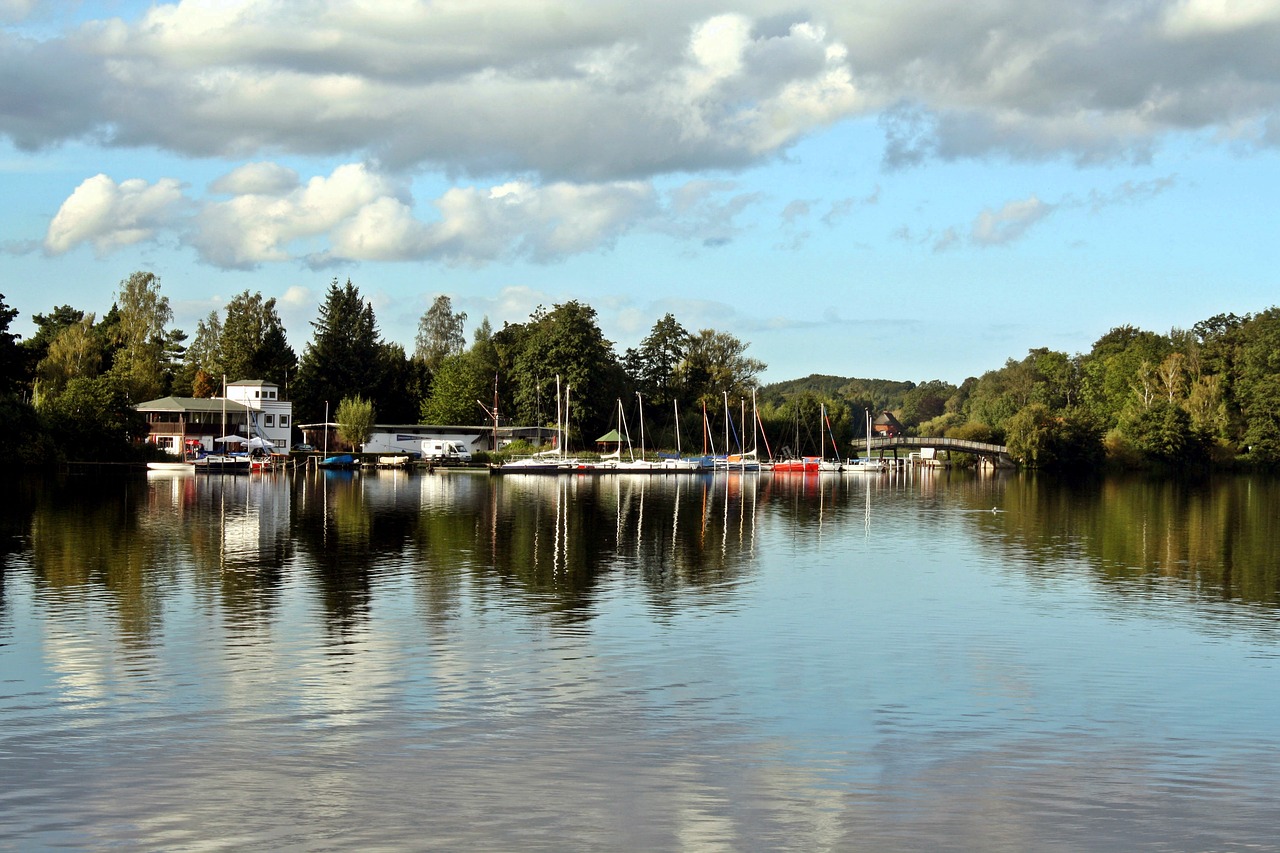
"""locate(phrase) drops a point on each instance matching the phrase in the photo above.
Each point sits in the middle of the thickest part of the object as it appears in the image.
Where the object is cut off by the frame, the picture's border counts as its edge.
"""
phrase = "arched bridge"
(998, 453)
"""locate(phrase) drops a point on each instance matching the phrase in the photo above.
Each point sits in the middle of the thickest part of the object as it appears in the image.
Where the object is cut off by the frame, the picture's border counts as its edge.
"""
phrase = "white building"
(269, 416)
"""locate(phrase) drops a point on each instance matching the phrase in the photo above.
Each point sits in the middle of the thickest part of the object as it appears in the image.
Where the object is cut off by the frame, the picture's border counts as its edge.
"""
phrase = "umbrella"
(260, 443)
(233, 439)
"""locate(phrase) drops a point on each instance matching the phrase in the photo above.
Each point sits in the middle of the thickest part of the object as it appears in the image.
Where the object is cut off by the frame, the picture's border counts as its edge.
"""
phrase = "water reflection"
(375, 659)
(1212, 537)
(553, 541)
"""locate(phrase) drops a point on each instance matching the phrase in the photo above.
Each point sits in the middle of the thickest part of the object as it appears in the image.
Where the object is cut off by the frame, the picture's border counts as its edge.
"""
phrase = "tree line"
(1207, 395)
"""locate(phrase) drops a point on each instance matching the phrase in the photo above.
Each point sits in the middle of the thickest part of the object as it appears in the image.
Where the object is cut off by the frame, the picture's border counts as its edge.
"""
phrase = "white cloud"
(110, 215)
(256, 227)
(1009, 223)
(1197, 17)
(358, 214)
(256, 179)
(557, 90)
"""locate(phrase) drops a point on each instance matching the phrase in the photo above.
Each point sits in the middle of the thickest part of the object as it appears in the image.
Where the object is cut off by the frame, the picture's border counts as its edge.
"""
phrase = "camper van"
(444, 450)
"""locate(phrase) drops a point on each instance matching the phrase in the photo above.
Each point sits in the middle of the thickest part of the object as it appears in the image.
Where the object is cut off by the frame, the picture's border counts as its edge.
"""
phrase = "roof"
(190, 404)
(887, 419)
(252, 383)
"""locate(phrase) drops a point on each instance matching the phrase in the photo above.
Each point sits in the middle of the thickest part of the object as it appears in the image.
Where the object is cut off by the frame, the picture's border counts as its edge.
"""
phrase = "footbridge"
(998, 454)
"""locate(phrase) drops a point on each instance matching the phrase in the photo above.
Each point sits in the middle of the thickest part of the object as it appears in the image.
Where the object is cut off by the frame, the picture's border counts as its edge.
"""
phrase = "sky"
(910, 191)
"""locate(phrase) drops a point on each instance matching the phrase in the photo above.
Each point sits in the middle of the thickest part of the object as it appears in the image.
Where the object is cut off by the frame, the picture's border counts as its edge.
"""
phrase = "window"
(284, 420)
(268, 420)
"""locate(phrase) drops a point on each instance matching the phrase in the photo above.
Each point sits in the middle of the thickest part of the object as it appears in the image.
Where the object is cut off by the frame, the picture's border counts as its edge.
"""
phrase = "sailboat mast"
(640, 403)
(726, 423)
(675, 404)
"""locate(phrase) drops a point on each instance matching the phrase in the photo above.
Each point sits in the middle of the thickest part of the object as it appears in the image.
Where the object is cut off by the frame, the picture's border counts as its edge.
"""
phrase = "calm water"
(403, 662)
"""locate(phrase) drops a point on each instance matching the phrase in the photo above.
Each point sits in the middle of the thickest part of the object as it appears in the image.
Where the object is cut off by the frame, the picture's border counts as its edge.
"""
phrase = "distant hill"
(875, 393)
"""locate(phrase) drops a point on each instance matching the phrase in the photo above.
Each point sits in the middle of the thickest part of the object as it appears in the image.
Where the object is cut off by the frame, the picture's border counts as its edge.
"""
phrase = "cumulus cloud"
(560, 90)
(262, 222)
(108, 215)
(596, 92)
(356, 213)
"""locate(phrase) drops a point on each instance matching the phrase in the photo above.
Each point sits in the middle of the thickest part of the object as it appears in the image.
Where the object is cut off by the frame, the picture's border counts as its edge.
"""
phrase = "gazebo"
(610, 442)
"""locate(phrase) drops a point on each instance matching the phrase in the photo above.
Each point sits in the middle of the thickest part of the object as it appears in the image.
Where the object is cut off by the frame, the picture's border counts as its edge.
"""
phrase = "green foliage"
(1122, 364)
(1038, 438)
(203, 357)
(715, 363)
(144, 315)
(12, 361)
(343, 356)
(93, 420)
(439, 333)
(566, 342)
(460, 381)
(1163, 433)
(924, 402)
(1257, 385)
(75, 352)
(975, 431)
(28, 443)
(659, 358)
(252, 343)
(355, 420)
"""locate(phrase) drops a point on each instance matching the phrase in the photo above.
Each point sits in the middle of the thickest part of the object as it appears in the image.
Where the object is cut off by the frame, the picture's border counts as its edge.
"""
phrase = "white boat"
(679, 462)
(221, 463)
(825, 464)
(865, 465)
(550, 461)
(175, 467)
(634, 465)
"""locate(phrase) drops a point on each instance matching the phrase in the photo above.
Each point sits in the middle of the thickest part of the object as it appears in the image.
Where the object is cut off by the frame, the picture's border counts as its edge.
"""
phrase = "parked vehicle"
(444, 450)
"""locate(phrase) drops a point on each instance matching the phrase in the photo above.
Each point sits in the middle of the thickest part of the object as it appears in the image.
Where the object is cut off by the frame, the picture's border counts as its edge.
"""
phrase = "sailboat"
(743, 460)
(224, 462)
(825, 464)
(552, 461)
(641, 465)
(866, 465)
(679, 463)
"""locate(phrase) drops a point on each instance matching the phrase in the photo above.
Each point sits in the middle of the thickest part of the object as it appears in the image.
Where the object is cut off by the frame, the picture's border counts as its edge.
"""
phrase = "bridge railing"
(960, 444)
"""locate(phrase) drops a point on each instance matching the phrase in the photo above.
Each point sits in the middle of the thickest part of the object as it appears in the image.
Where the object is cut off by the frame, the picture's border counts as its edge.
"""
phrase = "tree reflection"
(86, 537)
(1213, 536)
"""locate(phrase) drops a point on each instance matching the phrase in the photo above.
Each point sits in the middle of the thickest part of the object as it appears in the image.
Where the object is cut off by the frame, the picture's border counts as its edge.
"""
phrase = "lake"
(399, 661)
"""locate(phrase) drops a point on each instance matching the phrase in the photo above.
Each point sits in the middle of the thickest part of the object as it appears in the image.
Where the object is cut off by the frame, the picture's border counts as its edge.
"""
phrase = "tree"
(658, 359)
(1163, 433)
(342, 357)
(566, 342)
(926, 401)
(355, 420)
(76, 352)
(144, 316)
(397, 391)
(439, 333)
(203, 358)
(11, 357)
(253, 344)
(715, 363)
(1038, 438)
(459, 382)
(93, 419)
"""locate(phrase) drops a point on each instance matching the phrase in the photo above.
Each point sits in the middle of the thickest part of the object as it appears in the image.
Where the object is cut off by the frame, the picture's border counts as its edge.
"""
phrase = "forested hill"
(885, 392)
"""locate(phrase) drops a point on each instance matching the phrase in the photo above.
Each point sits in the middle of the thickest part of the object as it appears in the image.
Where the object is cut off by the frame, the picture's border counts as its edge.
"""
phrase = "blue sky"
(901, 191)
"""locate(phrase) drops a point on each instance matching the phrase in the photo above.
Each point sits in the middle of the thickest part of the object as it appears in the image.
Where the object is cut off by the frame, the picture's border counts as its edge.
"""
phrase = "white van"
(444, 450)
